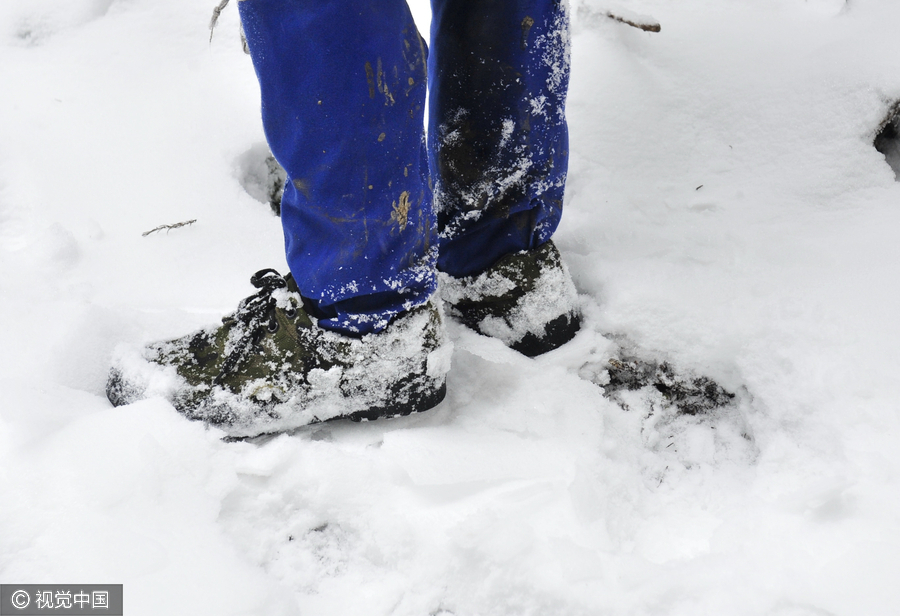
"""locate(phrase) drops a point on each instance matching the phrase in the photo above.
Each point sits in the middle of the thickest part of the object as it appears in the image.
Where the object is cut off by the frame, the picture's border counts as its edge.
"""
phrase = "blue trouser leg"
(498, 143)
(343, 87)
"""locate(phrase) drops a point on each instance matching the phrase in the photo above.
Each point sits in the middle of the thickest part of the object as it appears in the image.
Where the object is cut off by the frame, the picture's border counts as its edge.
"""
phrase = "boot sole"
(419, 405)
(556, 333)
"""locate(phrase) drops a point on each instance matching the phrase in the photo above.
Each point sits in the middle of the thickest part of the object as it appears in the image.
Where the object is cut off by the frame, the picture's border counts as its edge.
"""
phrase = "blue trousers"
(371, 208)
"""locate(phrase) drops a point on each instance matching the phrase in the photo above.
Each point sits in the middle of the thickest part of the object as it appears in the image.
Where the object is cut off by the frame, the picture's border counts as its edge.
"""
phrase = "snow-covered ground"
(726, 212)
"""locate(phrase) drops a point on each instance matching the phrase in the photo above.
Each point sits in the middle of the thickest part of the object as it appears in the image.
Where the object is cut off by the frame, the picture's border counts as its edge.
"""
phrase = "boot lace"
(255, 316)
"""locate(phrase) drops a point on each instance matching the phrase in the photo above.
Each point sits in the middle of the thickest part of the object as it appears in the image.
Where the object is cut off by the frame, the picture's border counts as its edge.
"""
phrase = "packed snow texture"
(726, 212)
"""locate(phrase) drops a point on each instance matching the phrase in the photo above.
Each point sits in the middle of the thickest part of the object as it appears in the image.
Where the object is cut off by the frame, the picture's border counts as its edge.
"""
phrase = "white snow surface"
(726, 212)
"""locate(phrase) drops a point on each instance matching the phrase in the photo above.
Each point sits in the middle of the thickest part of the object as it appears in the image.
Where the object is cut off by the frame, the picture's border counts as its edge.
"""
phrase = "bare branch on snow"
(215, 17)
(646, 27)
(186, 223)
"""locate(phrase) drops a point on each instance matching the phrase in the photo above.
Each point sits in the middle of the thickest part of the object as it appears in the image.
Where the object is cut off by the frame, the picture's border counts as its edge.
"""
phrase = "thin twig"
(215, 17)
(169, 227)
(654, 27)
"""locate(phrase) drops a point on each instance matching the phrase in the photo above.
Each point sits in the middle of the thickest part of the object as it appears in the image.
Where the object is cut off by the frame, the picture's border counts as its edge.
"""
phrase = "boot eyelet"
(290, 313)
(273, 326)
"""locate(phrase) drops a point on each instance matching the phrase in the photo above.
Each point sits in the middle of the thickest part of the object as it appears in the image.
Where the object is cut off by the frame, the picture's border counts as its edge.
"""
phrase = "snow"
(726, 212)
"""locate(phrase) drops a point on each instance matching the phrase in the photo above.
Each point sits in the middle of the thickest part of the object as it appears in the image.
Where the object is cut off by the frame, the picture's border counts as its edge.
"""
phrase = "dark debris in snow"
(690, 394)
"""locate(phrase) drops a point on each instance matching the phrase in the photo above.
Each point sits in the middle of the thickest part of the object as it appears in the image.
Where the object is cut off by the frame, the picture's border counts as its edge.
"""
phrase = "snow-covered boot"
(526, 299)
(269, 368)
